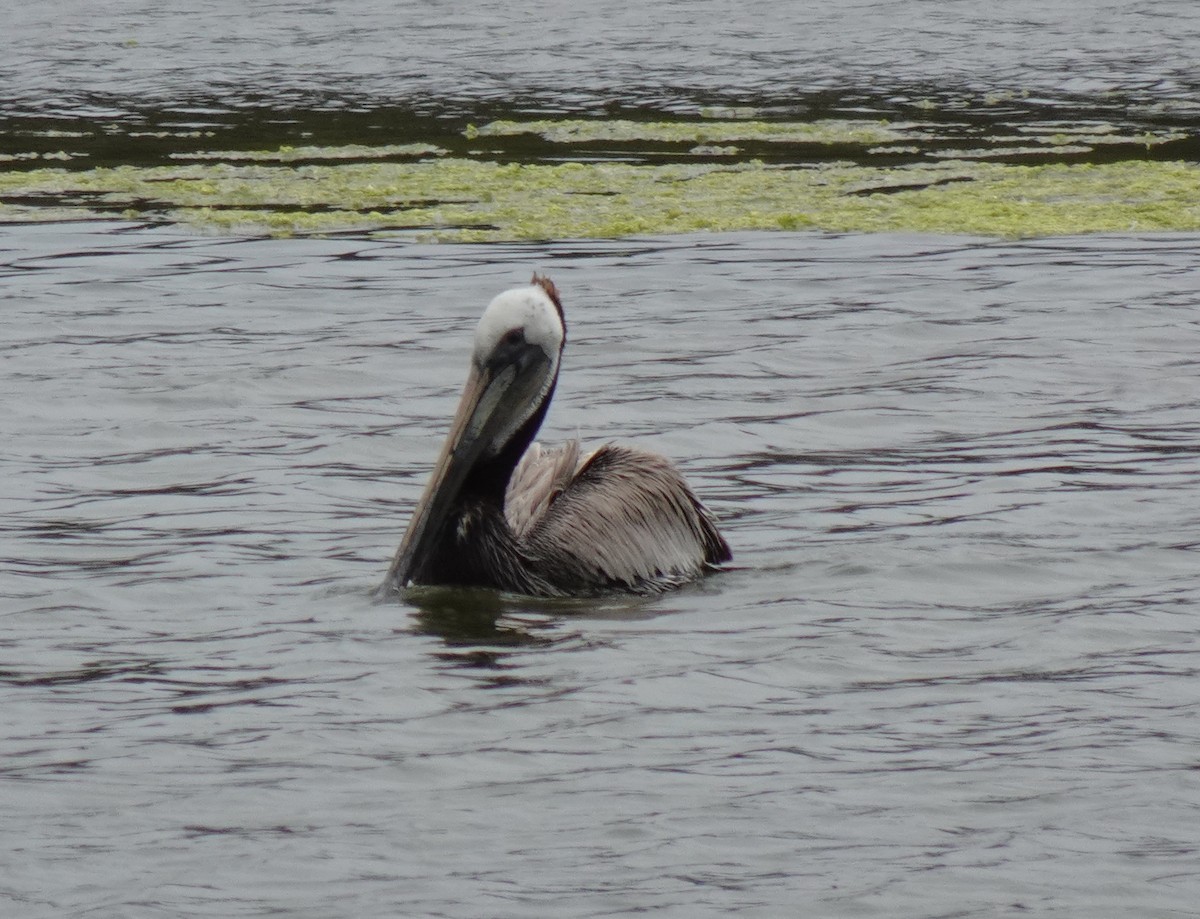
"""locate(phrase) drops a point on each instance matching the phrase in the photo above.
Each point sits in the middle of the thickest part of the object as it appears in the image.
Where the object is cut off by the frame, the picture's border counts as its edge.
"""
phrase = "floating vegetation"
(28, 156)
(577, 130)
(290, 154)
(717, 179)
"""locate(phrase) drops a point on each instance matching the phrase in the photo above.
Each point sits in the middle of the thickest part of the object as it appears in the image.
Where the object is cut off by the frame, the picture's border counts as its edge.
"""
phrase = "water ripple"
(952, 668)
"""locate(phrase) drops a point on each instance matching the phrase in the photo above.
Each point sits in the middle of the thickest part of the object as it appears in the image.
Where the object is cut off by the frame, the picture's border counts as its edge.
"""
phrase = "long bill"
(479, 414)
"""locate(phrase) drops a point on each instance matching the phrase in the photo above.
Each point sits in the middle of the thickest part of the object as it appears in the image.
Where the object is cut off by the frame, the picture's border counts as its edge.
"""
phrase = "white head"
(518, 344)
(530, 315)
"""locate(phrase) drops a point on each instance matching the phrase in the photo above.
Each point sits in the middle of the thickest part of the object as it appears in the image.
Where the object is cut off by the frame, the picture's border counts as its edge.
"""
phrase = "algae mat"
(573, 179)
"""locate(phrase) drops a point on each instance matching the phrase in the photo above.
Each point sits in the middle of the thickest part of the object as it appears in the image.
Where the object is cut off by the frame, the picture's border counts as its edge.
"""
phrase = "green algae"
(294, 154)
(425, 191)
(720, 137)
(578, 130)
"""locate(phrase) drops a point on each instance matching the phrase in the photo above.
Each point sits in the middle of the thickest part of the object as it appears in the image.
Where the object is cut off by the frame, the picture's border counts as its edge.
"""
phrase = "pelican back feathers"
(627, 520)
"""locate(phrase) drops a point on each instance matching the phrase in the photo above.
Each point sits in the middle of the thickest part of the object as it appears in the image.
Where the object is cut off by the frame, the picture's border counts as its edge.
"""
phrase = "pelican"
(502, 512)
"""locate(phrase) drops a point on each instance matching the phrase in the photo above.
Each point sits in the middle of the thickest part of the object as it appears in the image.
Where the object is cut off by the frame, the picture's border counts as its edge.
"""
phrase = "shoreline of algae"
(438, 195)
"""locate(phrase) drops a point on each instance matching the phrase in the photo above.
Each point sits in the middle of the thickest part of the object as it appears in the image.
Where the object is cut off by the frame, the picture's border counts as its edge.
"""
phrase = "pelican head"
(514, 368)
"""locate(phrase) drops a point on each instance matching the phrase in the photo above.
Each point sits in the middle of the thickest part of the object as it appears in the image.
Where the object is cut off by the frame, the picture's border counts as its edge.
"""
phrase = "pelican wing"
(627, 519)
(540, 477)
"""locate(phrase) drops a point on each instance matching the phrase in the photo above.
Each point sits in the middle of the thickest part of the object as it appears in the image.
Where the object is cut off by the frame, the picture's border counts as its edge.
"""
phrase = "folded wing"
(625, 518)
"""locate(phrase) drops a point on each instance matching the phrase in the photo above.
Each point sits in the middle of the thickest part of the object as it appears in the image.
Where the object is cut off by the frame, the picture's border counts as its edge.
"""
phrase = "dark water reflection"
(148, 80)
(955, 671)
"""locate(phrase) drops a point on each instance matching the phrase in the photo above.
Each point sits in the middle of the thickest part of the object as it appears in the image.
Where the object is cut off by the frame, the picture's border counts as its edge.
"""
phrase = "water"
(954, 670)
(149, 79)
(61, 58)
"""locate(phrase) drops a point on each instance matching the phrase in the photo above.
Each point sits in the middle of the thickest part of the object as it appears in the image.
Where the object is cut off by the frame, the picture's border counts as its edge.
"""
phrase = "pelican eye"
(514, 337)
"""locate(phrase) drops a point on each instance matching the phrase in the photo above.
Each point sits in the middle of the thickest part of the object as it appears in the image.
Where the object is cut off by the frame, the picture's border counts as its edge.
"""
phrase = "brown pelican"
(500, 513)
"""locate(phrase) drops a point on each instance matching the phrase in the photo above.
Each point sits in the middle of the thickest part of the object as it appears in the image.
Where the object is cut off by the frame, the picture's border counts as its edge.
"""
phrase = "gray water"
(955, 670)
(62, 57)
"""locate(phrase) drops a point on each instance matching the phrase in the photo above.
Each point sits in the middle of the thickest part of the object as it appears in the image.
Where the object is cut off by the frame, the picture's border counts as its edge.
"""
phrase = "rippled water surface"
(58, 56)
(954, 671)
(956, 668)
(148, 80)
